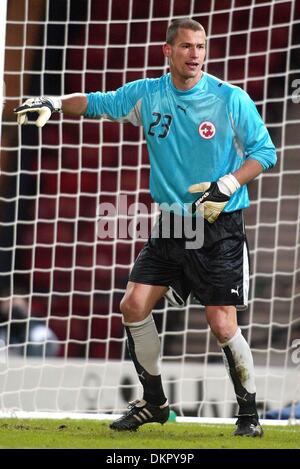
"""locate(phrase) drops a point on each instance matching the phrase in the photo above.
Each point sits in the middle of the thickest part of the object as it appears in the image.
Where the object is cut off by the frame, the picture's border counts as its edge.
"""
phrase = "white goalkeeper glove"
(44, 106)
(215, 196)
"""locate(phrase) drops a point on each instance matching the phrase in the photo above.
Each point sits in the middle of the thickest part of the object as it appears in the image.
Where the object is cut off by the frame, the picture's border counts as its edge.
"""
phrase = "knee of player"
(222, 331)
(131, 309)
(222, 324)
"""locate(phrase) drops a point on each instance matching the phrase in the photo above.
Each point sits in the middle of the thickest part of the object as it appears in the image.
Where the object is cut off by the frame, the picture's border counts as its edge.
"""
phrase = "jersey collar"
(198, 87)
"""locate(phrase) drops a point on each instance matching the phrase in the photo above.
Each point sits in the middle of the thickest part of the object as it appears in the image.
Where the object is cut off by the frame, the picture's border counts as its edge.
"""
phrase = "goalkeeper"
(206, 141)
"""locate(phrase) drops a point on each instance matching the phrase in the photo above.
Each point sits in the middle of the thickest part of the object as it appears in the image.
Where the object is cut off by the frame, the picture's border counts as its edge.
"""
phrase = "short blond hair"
(182, 23)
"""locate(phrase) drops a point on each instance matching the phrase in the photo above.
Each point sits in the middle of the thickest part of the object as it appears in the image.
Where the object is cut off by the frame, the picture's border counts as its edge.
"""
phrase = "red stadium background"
(50, 192)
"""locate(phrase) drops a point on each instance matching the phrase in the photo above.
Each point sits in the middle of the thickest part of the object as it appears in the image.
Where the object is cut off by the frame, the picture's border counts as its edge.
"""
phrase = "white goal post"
(68, 352)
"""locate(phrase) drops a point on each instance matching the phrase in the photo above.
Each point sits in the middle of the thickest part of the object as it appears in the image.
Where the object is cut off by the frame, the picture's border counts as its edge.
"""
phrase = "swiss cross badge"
(207, 130)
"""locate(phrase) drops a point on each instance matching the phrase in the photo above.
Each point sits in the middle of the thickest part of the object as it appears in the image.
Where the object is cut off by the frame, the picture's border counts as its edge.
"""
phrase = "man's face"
(186, 55)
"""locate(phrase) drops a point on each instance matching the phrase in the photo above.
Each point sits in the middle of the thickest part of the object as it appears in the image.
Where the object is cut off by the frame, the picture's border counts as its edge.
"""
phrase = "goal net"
(62, 345)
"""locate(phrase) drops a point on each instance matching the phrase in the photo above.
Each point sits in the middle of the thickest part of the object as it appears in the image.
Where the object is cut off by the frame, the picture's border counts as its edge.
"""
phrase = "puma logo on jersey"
(182, 108)
(235, 291)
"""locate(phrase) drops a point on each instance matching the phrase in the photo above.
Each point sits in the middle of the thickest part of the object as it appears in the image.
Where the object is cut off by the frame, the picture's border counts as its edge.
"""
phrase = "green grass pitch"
(88, 434)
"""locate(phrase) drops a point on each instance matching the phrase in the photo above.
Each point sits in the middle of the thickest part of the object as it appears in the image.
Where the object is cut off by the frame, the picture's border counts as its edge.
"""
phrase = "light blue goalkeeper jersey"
(192, 136)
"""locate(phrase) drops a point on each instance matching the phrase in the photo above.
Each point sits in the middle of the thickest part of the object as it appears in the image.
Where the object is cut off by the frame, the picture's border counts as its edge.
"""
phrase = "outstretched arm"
(72, 104)
(122, 105)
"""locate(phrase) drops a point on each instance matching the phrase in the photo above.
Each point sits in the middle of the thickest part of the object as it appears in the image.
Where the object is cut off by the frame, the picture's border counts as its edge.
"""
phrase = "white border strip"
(85, 416)
(2, 55)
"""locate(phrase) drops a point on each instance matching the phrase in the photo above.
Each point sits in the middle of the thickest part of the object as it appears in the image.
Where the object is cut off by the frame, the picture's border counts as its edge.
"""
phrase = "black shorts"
(216, 274)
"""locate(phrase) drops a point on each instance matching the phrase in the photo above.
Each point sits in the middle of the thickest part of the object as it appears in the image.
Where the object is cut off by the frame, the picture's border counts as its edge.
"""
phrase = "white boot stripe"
(138, 418)
(148, 413)
(144, 416)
